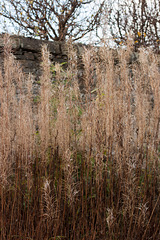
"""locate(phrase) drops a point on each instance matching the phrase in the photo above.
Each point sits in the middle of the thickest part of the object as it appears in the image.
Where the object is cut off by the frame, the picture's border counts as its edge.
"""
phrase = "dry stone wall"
(28, 52)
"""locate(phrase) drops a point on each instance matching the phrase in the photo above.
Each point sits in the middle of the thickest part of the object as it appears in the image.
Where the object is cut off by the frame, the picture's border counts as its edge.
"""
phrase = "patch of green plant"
(36, 99)
(38, 82)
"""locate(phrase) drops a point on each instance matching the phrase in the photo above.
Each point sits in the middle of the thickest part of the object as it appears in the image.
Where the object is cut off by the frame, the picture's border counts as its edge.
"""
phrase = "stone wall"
(28, 52)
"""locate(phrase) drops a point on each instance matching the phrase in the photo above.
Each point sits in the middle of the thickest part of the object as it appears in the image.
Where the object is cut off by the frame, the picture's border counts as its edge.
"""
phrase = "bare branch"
(56, 19)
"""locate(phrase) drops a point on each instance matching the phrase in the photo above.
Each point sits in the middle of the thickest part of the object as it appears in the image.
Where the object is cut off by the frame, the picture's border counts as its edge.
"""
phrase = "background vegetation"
(54, 19)
(140, 18)
(85, 20)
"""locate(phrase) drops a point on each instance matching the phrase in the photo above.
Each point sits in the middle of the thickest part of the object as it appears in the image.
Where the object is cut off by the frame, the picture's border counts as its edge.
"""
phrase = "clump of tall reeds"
(81, 168)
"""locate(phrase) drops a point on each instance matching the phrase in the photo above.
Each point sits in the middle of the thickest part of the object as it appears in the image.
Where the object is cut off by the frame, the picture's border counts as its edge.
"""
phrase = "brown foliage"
(88, 171)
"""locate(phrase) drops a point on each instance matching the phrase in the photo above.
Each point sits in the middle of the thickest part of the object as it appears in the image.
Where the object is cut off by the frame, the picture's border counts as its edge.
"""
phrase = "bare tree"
(53, 19)
(141, 18)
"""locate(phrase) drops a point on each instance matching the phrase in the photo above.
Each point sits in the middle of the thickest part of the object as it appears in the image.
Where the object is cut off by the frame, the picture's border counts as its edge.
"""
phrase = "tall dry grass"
(81, 168)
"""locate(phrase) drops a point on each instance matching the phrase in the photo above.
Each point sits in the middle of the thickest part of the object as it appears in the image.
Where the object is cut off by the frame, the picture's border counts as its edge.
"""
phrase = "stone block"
(31, 65)
(54, 48)
(30, 44)
(29, 55)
